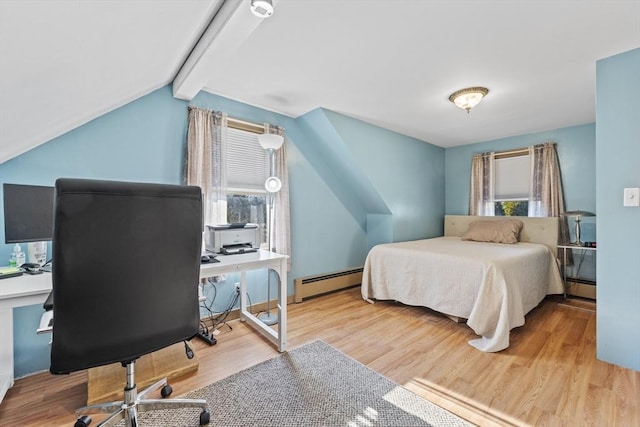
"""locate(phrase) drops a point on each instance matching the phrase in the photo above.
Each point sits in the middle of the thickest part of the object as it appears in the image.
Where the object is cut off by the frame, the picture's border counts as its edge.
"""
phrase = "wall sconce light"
(469, 97)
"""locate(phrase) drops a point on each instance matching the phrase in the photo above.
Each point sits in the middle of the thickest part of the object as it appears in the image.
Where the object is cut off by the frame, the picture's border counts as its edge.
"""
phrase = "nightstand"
(573, 247)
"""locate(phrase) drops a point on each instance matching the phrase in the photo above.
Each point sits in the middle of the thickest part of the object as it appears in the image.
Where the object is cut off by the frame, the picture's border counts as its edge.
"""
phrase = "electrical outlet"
(237, 287)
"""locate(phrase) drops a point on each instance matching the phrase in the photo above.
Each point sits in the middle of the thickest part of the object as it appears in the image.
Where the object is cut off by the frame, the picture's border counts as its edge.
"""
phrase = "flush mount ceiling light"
(262, 8)
(469, 97)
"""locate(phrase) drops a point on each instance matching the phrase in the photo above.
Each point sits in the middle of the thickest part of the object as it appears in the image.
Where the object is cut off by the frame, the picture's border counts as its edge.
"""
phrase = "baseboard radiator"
(305, 287)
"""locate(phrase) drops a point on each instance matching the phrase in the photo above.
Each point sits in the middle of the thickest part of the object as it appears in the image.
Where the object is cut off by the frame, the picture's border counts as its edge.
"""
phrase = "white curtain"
(280, 226)
(546, 195)
(206, 161)
(481, 197)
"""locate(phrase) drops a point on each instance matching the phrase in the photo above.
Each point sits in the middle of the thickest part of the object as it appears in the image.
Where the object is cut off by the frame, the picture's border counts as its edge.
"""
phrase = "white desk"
(241, 263)
(28, 290)
(16, 292)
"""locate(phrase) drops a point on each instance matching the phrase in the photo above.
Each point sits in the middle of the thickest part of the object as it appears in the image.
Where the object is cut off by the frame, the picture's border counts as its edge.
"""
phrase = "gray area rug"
(313, 385)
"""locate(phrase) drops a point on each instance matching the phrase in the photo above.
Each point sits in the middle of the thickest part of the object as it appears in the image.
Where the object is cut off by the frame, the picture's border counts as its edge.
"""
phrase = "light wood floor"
(548, 376)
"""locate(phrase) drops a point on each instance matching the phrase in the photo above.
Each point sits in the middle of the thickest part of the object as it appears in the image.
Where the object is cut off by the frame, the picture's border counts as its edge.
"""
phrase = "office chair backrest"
(126, 259)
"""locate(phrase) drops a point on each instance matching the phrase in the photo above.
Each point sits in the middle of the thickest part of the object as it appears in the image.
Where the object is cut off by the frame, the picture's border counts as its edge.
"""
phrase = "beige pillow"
(500, 231)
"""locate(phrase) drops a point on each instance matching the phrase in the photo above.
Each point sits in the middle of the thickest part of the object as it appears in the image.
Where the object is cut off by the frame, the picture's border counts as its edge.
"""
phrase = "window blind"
(512, 178)
(247, 162)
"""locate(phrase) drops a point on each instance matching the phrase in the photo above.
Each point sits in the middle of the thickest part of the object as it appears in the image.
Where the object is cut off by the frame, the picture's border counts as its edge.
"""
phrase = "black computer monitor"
(28, 213)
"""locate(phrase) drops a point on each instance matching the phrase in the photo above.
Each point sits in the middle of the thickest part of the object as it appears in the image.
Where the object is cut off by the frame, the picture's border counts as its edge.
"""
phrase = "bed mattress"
(492, 285)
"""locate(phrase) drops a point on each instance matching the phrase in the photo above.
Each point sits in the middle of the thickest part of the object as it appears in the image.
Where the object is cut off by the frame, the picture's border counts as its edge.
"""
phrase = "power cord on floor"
(214, 319)
(222, 317)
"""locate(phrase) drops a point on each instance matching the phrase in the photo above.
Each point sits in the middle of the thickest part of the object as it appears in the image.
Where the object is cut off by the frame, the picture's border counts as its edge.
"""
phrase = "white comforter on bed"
(492, 285)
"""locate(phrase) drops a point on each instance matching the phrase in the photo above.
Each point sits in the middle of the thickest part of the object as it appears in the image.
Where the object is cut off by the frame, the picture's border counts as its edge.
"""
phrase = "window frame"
(254, 128)
(523, 152)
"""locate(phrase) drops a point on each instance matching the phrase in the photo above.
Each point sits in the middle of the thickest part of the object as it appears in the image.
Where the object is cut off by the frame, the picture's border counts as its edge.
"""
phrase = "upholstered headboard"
(535, 230)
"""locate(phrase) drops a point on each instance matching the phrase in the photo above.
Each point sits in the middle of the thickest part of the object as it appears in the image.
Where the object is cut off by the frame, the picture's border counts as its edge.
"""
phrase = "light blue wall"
(142, 141)
(576, 154)
(407, 173)
(145, 141)
(617, 153)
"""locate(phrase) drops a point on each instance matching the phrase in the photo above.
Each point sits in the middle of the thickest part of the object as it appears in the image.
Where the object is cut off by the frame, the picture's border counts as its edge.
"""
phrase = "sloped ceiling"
(64, 63)
(334, 162)
(391, 63)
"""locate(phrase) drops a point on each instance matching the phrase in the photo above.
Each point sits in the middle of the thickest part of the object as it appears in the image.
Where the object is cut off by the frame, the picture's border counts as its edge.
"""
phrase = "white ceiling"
(64, 63)
(392, 63)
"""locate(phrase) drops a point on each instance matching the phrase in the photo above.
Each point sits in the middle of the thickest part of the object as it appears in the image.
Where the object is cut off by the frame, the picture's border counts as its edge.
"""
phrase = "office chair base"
(135, 403)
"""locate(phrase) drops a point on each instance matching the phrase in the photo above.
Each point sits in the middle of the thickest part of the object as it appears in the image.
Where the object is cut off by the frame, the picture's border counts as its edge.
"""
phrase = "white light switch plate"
(632, 197)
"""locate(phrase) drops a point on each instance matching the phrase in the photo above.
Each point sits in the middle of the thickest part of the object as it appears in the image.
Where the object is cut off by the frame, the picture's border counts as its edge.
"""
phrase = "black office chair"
(126, 269)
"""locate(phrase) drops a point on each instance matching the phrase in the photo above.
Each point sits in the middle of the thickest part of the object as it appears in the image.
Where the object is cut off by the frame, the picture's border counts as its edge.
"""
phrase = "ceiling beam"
(230, 27)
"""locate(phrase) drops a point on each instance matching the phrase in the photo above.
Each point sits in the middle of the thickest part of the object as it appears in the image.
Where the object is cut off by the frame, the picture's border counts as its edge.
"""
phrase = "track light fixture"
(262, 8)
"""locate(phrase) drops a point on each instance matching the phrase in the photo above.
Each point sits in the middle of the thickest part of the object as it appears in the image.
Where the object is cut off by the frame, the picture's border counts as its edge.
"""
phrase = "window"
(248, 208)
(226, 160)
(247, 169)
(518, 181)
(247, 162)
(511, 208)
(512, 183)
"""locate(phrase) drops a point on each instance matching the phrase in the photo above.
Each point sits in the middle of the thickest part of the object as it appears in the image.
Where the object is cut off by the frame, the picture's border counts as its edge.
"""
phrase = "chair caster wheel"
(205, 417)
(166, 391)
(83, 421)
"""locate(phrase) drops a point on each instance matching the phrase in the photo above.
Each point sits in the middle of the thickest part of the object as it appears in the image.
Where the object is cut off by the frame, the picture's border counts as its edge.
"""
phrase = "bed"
(492, 285)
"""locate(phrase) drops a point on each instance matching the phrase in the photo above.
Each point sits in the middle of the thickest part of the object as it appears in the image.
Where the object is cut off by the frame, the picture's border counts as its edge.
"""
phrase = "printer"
(237, 238)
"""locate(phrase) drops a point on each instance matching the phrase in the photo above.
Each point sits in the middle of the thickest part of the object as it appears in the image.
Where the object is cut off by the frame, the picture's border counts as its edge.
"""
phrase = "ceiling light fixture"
(469, 97)
(262, 8)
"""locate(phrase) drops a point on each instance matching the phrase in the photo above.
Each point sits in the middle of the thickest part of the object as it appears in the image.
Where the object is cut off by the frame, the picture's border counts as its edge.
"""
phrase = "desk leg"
(564, 273)
(282, 306)
(6, 351)
(280, 337)
(243, 295)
